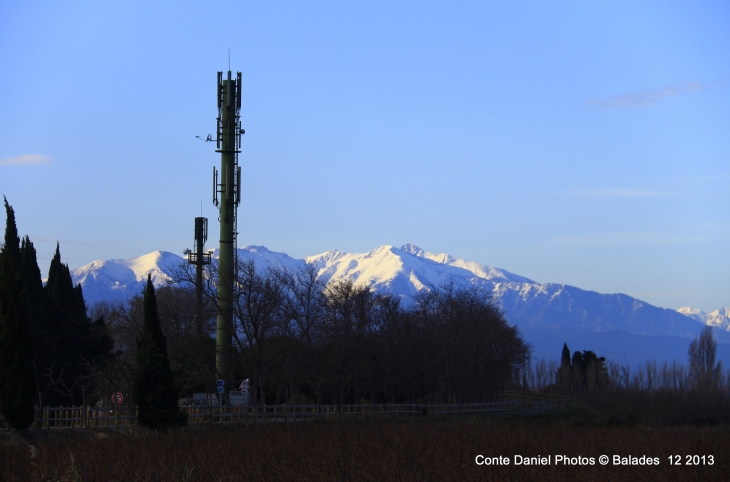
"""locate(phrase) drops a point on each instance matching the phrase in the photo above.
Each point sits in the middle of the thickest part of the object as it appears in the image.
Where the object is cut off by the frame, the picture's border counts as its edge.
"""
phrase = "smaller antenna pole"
(199, 258)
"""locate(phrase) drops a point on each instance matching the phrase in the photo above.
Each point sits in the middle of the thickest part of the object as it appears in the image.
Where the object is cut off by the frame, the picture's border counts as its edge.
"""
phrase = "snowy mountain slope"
(719, 318)
(407, 270)
(389, 269)
(545, 313)
(120, 278)
(264, 258)
(562, 305)
(694, 313)
(478, 270)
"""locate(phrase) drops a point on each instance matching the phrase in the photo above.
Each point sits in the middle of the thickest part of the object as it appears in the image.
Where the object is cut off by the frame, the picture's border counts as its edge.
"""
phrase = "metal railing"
(124, 416)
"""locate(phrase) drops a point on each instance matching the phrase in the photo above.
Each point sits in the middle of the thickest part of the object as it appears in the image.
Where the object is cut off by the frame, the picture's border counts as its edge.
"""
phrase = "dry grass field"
(399, 449)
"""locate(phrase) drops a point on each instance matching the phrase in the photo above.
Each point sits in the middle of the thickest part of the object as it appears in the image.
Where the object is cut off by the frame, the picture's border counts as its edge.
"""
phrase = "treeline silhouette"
(667, 393)
(51, 351)
(299, 340)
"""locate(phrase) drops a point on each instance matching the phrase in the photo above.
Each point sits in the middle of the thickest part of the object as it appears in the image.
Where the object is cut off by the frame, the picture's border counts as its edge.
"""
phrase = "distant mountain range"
(617, 326)
(718, 318)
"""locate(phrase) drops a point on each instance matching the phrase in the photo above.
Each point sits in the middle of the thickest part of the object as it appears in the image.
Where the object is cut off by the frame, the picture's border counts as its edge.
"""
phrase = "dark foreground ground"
(399, 449)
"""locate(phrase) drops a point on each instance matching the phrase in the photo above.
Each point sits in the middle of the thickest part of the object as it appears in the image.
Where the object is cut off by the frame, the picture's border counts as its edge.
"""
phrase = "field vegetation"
(403, 449)
(301, 341)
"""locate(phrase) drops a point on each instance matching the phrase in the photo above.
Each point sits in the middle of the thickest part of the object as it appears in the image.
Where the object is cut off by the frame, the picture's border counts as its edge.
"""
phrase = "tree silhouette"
(17, 380)
(154, 389)
(704, 370)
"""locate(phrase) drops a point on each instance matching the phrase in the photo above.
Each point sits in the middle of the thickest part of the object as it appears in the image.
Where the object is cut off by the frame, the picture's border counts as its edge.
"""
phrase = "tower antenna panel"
(238, 90)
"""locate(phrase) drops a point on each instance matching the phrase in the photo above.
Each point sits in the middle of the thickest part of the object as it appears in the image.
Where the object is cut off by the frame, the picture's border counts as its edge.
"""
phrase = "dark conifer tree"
(32, 285)
(43, 346)
(578, 372)
(17, 380)
(563, 377)
(595, 374)
(154, 389)
(77, 342)
(585, 371)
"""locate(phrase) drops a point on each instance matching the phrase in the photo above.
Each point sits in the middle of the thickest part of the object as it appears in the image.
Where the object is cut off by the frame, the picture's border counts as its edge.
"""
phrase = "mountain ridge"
(539, 310)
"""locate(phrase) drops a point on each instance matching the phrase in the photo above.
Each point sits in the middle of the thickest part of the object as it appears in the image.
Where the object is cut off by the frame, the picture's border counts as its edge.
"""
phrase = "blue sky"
(573, 142)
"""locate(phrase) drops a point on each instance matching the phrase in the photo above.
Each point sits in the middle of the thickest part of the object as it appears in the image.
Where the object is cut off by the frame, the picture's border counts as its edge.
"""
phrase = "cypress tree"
(154, 389)
(32, 285)
(43, 345)
(563, 376)
(17, 380)
(578, 372)
(66, 332)
(74, 341)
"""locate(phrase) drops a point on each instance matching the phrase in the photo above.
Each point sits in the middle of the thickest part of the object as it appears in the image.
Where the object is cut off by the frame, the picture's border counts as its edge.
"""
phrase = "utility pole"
(228, 141)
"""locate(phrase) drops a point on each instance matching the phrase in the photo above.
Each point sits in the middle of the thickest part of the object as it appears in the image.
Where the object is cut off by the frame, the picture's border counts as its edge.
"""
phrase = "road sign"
(117, 398)
(244, 385)
(221, 383)
(220, 389)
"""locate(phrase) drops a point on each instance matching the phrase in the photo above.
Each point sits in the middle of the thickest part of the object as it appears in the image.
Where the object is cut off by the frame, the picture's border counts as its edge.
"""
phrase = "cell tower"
(199, 258)
(228, 141)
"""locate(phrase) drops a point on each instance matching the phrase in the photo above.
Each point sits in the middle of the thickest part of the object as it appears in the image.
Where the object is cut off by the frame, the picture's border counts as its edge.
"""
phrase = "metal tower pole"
(228, 138)
(199, 258)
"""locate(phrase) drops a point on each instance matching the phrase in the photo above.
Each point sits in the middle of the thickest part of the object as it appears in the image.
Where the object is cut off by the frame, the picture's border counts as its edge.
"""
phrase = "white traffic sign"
(117, 398)
(244, 385)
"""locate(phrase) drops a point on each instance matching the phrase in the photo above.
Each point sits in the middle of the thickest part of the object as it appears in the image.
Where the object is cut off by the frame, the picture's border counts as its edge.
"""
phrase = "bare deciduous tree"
(704, 370)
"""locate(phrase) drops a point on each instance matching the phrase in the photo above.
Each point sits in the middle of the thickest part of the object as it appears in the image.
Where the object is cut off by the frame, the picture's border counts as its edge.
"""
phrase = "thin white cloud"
(643, 98)
(629, 238)
(25, 159)
(617, 193)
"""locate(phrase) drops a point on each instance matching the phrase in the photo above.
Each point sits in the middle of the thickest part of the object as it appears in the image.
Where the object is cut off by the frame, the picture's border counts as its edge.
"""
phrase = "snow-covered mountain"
(121, 278)
(719, 318)
(407, 270)
(618, 326)
(116, 279)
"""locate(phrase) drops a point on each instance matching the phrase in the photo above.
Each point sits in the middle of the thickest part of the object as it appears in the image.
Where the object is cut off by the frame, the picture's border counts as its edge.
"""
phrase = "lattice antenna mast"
(199, 258)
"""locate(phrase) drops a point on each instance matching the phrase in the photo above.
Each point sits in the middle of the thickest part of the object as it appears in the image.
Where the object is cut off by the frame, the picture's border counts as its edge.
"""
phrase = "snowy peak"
(694, 313)
(326, 258)
(614, 325)
(157, 263)
(411, 248)
(121, 278)
(719, 318)
(265, 258)
(478, 270)
(378, 268)
(407, 270)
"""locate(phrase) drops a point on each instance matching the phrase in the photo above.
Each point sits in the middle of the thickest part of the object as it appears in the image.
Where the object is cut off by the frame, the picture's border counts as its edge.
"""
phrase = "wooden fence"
(108, 417)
